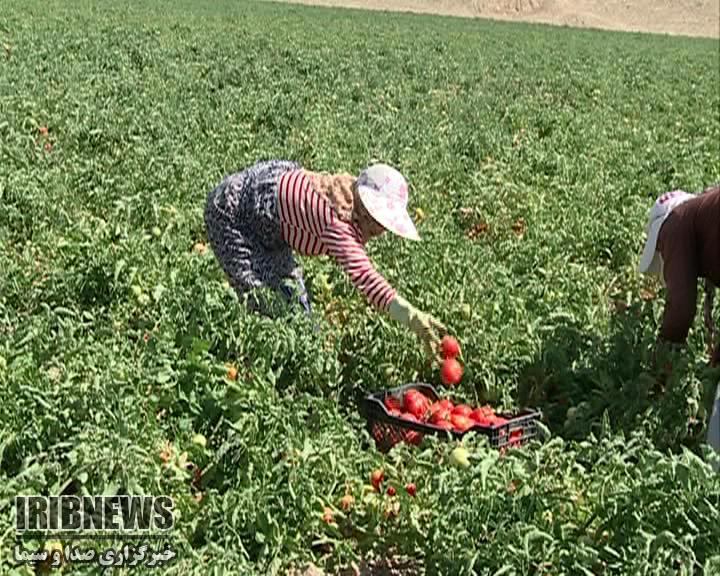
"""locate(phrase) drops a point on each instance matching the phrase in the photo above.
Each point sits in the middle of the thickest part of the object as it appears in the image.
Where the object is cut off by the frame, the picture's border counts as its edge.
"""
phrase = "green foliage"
(534, 153)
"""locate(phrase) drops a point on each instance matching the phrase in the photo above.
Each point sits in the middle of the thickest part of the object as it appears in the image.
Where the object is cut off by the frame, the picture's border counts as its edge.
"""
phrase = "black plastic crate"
(389, 430)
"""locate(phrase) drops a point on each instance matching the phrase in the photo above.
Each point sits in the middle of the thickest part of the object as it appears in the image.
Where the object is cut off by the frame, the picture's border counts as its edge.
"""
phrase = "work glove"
(428, 330)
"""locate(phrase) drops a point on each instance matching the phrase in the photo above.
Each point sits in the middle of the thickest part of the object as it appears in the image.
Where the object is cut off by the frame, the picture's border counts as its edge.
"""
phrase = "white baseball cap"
(384, 193)
(664, 205)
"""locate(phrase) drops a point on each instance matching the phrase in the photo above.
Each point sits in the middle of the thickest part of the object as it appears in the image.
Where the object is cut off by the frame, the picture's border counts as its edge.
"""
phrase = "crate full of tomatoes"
(410, 412)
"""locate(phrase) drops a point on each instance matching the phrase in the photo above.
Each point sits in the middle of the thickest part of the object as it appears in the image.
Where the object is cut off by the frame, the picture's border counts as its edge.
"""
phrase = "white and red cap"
(384, 193)
(664, 205)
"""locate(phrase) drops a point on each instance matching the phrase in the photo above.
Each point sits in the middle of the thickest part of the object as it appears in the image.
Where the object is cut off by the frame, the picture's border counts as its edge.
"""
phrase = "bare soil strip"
(697, 18)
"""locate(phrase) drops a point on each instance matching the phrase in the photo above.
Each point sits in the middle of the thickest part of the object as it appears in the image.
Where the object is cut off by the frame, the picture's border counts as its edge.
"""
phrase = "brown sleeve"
(681, 277)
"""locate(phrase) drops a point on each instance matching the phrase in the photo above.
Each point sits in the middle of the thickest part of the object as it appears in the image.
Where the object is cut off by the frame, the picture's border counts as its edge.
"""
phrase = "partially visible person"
(683, 247)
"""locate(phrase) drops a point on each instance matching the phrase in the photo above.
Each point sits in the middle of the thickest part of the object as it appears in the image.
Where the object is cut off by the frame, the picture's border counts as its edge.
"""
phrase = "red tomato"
(480, 416)
(450, 347)
(451, 372)
(447, 403)
(434, 407)
(376, 478)
(498, 420)
(411, 489)
(442, 406)
(462, 409)
(416, 404)
(444, 424)
(440, 415)
(411, 436)
(392, 403)
(461, 423)
(327, 516)
(391, 491)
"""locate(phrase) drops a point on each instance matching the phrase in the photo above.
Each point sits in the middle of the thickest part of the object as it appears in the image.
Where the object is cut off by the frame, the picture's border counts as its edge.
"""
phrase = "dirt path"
(677, 17)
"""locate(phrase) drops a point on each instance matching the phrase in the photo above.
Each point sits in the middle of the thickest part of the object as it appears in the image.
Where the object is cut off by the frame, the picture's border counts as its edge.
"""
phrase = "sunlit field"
(127, 365)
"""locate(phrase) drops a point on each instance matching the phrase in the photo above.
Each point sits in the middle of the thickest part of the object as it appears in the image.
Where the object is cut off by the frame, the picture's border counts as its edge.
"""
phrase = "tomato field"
(533, 153)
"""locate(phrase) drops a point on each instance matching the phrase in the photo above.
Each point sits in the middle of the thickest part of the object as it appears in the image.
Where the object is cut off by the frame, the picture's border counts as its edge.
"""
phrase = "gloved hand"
(425, 327)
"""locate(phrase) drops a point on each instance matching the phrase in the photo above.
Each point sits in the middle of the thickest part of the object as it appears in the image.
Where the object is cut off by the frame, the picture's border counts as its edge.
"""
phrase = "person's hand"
(663, 357)
(430, 332)
(427, 328)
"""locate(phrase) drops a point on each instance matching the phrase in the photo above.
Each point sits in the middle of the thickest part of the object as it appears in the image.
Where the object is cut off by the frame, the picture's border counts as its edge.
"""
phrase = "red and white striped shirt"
(311, 226)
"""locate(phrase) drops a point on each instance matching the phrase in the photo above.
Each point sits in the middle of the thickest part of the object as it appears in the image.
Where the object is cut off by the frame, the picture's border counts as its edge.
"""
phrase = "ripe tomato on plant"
(232, 372)
(376, 478)
(328, 516)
